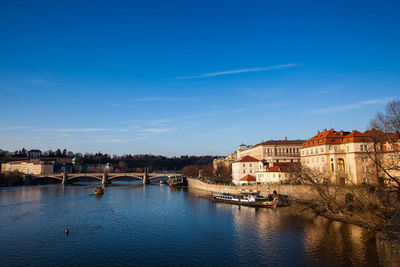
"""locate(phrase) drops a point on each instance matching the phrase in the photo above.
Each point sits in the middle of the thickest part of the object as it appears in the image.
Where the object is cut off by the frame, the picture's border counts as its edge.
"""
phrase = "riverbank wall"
(300, 192)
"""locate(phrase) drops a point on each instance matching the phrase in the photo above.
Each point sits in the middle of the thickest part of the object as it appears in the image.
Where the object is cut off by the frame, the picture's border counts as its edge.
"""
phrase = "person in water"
(67, 231)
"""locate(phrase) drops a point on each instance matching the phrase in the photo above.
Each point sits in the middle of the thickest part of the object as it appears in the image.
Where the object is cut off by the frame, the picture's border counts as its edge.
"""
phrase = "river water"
(132, 224)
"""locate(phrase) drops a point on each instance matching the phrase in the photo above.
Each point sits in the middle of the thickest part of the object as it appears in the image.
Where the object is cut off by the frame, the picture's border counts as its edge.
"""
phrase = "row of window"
(282, 150)
(365, 168)
(312, 160)
(318, 169)
(311, 151)
(250, 165)
(364, 158)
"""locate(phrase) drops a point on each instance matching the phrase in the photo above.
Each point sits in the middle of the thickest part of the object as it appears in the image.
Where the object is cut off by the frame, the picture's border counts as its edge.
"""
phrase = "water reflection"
(132, 224)
(321, 241)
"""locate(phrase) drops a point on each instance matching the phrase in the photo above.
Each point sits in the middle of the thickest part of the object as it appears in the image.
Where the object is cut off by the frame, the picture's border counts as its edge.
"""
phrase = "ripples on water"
(133, 224)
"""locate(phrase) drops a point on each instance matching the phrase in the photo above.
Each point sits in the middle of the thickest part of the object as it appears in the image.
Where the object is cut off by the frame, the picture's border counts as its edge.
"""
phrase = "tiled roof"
(281, 142)
(329, 137)
(248, 178)
(247, 159)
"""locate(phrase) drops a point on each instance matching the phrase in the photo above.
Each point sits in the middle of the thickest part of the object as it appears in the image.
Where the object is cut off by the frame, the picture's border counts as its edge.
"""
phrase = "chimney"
(285, 138)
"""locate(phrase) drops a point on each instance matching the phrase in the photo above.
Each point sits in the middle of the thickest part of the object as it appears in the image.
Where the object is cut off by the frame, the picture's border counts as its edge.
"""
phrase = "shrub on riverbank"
(14, 178)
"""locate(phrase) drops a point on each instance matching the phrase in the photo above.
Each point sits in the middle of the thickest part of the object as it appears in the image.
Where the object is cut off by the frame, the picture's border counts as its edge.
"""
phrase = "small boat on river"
(98, 191)
(252, 199)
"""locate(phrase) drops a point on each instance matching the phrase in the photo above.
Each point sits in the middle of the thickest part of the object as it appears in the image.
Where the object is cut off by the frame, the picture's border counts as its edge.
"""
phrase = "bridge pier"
(146, 177)
(64, 178)
(105, 179)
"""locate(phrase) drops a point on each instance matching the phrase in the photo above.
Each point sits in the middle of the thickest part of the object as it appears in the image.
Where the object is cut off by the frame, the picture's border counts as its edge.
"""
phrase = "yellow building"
(342, 157)
(226, 161)
(28, 167)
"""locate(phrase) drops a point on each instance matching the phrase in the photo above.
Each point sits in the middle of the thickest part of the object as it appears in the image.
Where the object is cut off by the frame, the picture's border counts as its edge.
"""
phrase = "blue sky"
(191, 77)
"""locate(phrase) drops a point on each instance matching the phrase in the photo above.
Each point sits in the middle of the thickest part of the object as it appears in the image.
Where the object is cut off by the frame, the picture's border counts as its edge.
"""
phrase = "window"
(279, 175)
(307, 152)
(251, 171)
(316, 160)
(364, 169)
(322, 150)
(251, 165)
(304, 161)
(312, 160)
(348, 149)
(322, 159)
(287, 150)
(308, 160)
(311, 151)
(244, 171)
(362, 147)
(349, 169)
(244, 165)
(316, 151)
(323, 168)
(302, 152)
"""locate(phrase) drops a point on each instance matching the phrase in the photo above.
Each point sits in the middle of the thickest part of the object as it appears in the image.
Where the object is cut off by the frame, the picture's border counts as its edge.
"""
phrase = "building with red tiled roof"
(276, 173)
(340, 157)
(274, 151)
(246, 165)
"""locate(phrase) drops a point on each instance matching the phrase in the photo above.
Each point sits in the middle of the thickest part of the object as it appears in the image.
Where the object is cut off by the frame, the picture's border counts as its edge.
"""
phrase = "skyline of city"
(137, 78)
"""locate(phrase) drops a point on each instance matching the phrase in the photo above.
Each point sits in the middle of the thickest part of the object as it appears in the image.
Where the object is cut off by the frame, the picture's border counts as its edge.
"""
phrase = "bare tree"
(385, 133)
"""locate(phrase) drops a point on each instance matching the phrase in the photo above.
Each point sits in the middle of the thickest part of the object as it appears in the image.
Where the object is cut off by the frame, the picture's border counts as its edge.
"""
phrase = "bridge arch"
(125, 176)
(83, 176)
(47, 177)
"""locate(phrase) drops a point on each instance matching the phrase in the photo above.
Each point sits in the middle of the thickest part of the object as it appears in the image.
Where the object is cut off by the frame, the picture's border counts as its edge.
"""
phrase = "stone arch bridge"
(105, 177)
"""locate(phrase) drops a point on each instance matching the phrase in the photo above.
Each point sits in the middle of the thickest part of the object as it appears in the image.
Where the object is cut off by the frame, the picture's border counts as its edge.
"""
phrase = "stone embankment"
(299, 192)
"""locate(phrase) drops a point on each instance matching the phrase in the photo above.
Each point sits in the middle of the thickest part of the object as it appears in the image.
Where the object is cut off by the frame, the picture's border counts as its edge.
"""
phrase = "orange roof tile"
(248, 178)
(247, 159)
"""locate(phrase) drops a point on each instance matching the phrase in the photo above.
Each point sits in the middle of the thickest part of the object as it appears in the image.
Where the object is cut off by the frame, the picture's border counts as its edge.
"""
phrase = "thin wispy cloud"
(358, 105)
(156, 130)
(228, 72)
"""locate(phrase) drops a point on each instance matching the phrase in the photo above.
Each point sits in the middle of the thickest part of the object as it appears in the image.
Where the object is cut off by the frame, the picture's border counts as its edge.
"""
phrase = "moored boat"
(252, 199)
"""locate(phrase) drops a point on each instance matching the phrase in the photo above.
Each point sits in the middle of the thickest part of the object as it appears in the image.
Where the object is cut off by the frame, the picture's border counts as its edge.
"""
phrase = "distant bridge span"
(105, 177)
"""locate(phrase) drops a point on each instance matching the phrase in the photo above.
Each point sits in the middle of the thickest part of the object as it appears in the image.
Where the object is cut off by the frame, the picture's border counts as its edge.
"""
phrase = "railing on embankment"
(301, 192)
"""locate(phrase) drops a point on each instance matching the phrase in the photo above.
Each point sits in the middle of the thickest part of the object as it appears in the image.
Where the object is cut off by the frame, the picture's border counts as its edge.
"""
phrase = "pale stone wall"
(302, 192)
